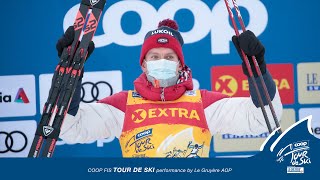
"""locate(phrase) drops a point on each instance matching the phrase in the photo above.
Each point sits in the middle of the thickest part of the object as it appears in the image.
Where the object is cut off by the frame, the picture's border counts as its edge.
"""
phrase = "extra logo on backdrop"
(231, 81)
(16, 137)
(17, 96)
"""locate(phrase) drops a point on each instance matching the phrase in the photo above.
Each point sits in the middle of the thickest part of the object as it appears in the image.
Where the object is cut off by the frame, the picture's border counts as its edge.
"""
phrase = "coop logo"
(150, 16)
(21, 97)
(143, 134)
(140, 115)
(297, 153)
(313, 82)
(231, 81)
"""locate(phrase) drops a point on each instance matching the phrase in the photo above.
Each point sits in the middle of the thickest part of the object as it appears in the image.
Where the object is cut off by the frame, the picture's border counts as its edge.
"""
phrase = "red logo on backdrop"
(231, 81)
(21, 97)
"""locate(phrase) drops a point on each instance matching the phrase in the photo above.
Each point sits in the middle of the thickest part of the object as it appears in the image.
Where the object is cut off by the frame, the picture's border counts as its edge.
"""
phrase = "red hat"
(167, 36)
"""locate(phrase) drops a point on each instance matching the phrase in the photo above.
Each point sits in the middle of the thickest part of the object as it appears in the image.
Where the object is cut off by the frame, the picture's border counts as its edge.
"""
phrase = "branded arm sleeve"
(242, 115)
(94, 121)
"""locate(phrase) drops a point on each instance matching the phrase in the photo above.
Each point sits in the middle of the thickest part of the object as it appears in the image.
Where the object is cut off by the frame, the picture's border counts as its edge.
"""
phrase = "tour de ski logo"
(297, 152)
(140, 142)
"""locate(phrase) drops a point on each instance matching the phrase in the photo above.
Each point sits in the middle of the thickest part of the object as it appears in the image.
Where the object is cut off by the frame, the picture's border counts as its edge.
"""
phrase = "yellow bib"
(165, 129)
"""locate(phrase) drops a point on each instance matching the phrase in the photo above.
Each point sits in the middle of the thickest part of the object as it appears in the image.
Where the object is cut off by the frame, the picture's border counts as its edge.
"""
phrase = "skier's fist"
(251, 46)
(67, 40)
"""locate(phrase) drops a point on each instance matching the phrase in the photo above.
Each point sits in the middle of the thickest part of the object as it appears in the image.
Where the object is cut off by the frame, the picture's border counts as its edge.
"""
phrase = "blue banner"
(287, 29)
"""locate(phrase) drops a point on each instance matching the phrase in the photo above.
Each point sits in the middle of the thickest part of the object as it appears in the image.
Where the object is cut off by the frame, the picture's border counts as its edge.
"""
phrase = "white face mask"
(163, 71)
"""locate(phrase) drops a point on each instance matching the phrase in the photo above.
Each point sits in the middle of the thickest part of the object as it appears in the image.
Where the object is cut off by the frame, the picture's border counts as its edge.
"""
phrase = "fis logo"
(136, 95)
(293, 169)
(21, 97)
(231, 81)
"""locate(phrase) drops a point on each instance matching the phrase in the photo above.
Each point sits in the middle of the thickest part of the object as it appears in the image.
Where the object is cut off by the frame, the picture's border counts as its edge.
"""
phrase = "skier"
(195, 149)
(164, 103)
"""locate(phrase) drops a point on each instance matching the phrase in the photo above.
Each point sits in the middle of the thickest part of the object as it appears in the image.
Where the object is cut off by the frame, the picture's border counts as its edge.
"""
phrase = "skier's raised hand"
(251, 46)
(67, 40)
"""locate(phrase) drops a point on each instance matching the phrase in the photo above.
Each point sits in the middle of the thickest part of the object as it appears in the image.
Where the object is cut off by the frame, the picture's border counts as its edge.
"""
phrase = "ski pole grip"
(99, 4)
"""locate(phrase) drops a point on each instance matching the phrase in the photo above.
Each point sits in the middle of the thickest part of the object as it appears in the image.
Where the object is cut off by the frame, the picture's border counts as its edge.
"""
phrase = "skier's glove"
(251, 46)
(67, 40)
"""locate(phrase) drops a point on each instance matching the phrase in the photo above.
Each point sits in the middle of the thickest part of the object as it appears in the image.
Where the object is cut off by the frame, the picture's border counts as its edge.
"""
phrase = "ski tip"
(99, 4)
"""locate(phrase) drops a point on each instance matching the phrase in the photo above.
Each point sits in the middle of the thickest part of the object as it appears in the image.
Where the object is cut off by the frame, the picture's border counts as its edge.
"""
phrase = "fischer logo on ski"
(47, 130)
(94, 2)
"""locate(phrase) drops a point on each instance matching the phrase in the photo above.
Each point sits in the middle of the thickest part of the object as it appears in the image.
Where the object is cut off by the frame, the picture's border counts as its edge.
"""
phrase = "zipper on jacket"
(162, 95)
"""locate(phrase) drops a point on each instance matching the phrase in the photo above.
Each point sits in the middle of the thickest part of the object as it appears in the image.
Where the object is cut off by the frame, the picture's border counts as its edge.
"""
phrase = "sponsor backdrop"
(29, 58)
